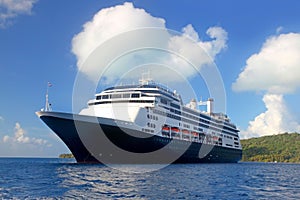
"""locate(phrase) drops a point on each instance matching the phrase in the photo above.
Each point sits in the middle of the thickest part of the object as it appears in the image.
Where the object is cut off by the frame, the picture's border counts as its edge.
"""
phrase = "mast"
(145, 78)
(47, 105)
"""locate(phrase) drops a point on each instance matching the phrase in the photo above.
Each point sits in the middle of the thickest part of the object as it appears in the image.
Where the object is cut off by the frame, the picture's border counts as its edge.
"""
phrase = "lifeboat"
(165, 131)
(186, 132)
(165, 128)
(175, 129)
(195, 134)
(215, 138)
(175, 132)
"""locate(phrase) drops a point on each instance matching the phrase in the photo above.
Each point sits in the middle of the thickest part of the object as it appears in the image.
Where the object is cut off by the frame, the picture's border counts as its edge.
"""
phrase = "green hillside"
(66, 155)
(276, 148)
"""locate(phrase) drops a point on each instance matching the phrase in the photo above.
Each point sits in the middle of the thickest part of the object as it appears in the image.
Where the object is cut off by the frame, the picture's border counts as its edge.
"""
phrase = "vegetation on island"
(66, 155)
(276, 148)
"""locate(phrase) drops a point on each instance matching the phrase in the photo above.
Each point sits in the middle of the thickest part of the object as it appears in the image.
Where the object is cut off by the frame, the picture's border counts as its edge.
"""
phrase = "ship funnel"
(193, 104)
(210, 105)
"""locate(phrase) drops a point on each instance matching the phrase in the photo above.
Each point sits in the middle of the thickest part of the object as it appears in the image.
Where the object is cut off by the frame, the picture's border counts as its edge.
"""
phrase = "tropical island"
(275, 148)
(66, 155)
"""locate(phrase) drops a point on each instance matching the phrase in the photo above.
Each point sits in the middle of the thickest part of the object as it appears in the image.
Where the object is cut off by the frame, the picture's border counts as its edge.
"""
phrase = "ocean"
(51, 178)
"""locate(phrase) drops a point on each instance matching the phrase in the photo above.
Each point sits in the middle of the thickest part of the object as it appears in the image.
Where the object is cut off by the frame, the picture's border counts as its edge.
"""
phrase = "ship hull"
(100, 140)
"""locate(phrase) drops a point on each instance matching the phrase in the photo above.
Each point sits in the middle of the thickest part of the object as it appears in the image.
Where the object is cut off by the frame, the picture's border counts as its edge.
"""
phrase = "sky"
(253, 48)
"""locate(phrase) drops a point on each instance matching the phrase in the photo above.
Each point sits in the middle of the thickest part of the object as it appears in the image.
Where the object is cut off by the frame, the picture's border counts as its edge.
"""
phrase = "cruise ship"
(146, 123)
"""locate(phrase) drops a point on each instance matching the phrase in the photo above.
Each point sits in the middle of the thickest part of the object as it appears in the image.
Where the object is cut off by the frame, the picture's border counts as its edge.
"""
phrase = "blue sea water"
(37, 178)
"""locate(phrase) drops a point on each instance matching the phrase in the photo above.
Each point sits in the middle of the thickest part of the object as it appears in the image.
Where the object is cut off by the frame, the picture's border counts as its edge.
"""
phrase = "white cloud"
(198, 53)
(168, 49)
(279, 29)
(275, 68)
(276, 119)
(219, 43)
(21, 138)
(10, 9)
(275, 71)
(6, 138)
(20, 134)
(108, 23)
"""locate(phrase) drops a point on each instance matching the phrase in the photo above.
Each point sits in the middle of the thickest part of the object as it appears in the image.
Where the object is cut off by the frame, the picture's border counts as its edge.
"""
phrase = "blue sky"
(36, 45)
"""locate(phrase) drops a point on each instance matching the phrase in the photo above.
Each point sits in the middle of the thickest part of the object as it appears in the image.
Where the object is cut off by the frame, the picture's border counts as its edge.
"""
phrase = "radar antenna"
(146, 78)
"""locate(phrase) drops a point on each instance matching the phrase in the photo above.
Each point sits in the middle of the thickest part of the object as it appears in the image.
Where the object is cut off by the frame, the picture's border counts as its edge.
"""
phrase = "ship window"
(177, 112)
(98, 97)
(105, 97)
(126, 95)
(164, 101)
(116, 96)
(135, 95)
(175, 105)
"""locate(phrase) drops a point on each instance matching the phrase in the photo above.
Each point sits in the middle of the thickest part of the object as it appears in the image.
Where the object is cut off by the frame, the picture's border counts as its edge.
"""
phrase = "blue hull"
(92, 142)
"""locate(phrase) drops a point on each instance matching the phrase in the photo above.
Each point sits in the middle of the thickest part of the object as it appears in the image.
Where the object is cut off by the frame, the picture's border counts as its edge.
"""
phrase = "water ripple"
(57, 179)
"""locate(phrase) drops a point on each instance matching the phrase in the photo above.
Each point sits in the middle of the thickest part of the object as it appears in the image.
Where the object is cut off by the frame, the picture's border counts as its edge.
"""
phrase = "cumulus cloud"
(192, 49)
(108, 23)
(274, 71)
(173, 50)
(276, 119)
(218, 44)
(21, 138)
(279, 29)
(10, 9)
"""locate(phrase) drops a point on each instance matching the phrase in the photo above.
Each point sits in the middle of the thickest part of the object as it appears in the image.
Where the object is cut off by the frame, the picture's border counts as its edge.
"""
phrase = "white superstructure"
(153, 108)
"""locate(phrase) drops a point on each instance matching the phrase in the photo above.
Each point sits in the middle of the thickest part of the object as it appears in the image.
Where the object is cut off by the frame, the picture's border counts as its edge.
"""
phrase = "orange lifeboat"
(175, 132)
(166, 128)
(195, 134)
(175, 129)
(215, 138)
